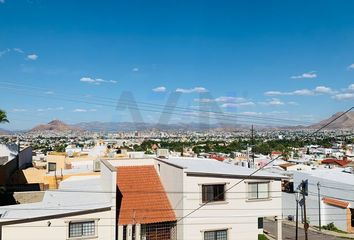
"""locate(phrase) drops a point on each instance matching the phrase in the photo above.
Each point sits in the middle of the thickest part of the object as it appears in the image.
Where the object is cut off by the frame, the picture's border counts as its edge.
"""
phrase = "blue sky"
(284, 59)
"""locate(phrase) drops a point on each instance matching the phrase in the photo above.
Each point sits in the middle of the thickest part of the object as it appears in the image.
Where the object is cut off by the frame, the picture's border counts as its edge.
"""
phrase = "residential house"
(82, 208)
(193, 198)
(332, 190)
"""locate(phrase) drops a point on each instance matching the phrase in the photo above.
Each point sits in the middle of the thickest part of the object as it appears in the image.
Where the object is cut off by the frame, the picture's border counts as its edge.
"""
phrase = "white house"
(82, 208)
(336, 197)
(209, 199)
(152, 199)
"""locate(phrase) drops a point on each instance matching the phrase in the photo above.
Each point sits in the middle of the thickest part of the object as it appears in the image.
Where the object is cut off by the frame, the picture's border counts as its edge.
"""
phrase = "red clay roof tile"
(144, 199)
(336, 202)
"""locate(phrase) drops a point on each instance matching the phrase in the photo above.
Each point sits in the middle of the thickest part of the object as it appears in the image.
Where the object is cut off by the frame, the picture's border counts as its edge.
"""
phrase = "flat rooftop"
(75, 195)
(210, 166)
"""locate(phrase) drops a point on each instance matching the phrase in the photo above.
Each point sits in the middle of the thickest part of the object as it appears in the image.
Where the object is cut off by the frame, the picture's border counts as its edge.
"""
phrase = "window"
(215, 235)
(133, 232)
(81, 229)
(258, 190)
(124, 232)
(211, 193)
(52, 166)
(260, 223)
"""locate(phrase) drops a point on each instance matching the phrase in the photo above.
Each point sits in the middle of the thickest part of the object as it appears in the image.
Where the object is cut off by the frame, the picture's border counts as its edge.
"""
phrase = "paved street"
(289, 232)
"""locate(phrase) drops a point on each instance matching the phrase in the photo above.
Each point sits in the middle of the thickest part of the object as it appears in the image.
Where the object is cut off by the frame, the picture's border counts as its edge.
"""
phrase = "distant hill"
(5, 132)
(55, 126)
(346, 121)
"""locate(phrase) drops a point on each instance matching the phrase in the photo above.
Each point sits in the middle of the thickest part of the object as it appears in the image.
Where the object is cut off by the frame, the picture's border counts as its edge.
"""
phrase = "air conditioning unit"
(162, 153)
(96, 165)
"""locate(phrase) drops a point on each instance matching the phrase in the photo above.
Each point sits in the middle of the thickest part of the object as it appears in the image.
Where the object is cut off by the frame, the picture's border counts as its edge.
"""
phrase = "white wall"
(237, 213)
(329, 188)
(25, 158)
(109, 184)
(172, 181)
(58, 229)
(9, 150)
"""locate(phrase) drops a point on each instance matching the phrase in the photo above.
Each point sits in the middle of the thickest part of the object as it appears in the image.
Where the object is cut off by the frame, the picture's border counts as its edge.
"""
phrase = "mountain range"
(346, 121)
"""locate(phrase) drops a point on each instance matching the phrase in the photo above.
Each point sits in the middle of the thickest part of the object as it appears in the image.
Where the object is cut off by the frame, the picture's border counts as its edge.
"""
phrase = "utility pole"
(306, 225)
(252, 134)
(297, 196)
(319, 205)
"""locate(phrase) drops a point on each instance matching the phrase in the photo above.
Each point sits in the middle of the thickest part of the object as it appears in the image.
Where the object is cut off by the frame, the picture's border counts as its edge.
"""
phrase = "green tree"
(3, 117)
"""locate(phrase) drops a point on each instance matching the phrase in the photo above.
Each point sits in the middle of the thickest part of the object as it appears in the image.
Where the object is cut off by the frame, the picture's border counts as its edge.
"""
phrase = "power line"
(152, 108)
(253, 173)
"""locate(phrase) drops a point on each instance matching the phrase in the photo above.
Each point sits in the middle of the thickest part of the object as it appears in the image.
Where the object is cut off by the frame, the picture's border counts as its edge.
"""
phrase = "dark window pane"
(260, 223)
(80, 229)
(215, 235)
(213, 193)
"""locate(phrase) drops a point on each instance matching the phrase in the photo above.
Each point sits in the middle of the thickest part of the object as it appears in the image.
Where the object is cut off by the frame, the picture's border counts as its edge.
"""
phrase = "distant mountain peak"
(344, 122)
(55, 125)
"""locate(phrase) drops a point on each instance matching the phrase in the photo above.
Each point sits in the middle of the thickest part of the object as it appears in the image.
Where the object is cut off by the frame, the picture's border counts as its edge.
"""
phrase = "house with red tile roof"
(333, 162)
(143, 206)
(192, 198)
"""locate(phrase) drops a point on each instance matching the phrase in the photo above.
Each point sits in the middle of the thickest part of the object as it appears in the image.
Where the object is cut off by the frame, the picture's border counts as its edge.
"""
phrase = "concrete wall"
(172, 181)
(7, 170)
(109, 184)
(329, 213)
(10, 150)
(237, 214)
(25, 158)
(58, 228)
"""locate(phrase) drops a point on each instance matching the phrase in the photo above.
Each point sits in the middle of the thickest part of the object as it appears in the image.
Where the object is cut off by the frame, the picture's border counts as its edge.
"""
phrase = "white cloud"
(221, 100)
(48, 92)
(236, 105)
(87, 79)
(305, 75)
(19, 50)
(192, 90)
(344, 96)
(351, 66)
(32, 57)
(273, 102)
(80, 110)
(19, 110)
(351, 87)
(2, 53)
(84, 110)
(135, 69)
(300, 92)
(159, 89)
(324, 90)
(303, 92)
(96, 81)
(274, 93)
(50, 109)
